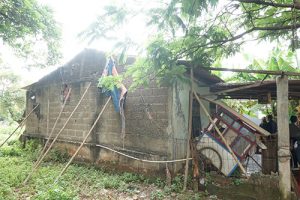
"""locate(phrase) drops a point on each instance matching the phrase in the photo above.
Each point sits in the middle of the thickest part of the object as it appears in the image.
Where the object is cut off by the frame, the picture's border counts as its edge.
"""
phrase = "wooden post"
(189, 133)
(283, 136)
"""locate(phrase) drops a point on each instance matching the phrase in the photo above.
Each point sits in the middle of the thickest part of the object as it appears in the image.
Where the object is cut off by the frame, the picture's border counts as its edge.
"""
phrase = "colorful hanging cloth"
(118, 94)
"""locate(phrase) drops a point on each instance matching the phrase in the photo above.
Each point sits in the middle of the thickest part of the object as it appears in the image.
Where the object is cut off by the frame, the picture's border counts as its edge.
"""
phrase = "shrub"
(130, 177)
(157, 195)
(5, 191)
(112, 182)
(12, 149)
(58, 155)
(54, 193)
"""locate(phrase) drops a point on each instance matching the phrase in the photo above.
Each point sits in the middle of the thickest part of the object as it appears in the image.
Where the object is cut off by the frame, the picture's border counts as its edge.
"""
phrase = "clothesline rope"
(128, 156)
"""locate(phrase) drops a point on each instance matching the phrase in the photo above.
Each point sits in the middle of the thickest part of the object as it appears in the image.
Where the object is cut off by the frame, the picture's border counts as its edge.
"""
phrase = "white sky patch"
(74, 16)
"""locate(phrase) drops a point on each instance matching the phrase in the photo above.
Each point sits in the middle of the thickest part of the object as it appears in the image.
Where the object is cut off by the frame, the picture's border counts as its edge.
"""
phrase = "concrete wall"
(146, 111)
(156, 117)
(180, 118)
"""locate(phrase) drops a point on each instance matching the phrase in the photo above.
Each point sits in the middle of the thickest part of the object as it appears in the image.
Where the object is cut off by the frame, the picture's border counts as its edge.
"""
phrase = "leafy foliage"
(279, 60)
(79, 182)
(200, 31)
(23, 23)
(109, 82)
(12, 99)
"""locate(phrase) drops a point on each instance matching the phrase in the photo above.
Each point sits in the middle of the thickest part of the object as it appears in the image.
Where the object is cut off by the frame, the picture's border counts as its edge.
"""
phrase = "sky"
(74, 16)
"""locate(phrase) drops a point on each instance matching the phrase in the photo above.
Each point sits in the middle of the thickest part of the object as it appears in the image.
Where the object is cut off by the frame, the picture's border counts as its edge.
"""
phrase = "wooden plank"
(283, 136)
(247, 121)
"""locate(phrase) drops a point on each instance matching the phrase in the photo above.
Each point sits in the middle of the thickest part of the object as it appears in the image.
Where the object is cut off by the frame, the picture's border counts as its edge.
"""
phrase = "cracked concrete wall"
(180, 118)
(156, 116)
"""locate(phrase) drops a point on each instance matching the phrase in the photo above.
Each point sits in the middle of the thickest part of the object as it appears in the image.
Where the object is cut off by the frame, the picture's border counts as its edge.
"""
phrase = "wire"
(128, 156)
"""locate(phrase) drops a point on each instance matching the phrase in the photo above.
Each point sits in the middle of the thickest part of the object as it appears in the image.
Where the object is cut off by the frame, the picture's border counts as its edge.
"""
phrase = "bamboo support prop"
(19, 125)
(55, 123)
(237, 89)
(270, 72)
(220, 134)
(189, 132)
(48, 115)
(38, 162)
(84, 140)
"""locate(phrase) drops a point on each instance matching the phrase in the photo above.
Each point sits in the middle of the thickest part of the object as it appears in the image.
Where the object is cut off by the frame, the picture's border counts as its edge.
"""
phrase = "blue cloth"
(115, 93)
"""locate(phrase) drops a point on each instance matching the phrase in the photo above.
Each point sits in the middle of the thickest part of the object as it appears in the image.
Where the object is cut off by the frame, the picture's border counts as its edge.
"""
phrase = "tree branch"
(216, 43)
(277, 5)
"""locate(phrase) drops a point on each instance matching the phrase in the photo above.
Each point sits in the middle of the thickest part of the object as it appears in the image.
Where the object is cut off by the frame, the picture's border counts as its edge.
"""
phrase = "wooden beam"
(237, 89)
(283, 136)
(189, 131)
(254, 71)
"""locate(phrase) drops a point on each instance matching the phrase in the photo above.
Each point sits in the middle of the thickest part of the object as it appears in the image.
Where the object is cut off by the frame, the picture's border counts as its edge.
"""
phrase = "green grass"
(79, 181)
(6, 130)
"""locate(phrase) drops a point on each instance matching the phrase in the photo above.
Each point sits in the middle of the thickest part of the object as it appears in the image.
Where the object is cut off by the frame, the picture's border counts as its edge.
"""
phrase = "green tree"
(201, 31)
(25, 24)
(278, 60)
(12, 98)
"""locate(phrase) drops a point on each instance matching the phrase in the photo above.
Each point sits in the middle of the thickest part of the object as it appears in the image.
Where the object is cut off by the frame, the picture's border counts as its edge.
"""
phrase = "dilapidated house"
(156, 116)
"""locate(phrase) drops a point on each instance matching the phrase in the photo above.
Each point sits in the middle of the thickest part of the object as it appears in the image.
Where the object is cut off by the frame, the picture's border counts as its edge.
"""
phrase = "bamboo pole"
(220, 134)
(270, 72)
(55, 123)
(237, 88)
(189, 132)
(48, 115)
(19, 125)
(38, 162)
(84, 140)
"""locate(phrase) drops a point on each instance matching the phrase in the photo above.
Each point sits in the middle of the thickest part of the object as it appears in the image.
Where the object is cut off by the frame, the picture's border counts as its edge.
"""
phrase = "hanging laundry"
(118, 94)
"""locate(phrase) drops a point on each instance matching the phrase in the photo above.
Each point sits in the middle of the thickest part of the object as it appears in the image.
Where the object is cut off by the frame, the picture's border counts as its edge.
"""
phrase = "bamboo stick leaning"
(84, 140)
(220, 134)
(54, 126)
(21, 124)
(38, 162)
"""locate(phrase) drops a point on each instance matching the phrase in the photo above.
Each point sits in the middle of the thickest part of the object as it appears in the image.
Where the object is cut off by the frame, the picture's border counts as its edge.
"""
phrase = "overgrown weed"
(16, 163)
